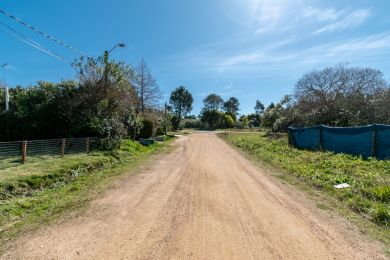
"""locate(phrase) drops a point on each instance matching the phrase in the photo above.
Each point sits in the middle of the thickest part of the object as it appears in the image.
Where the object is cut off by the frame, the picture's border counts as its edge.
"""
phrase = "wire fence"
(20, 151)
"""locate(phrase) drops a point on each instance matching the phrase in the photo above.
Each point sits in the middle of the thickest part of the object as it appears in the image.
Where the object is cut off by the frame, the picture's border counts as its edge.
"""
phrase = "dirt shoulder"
(204, 200)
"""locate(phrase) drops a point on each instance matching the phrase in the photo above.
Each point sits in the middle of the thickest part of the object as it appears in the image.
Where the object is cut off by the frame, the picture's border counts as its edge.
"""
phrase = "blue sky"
(251, 49)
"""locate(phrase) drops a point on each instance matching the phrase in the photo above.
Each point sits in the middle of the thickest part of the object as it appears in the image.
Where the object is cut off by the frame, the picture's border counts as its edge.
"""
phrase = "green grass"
(368, 196)
(37, 193)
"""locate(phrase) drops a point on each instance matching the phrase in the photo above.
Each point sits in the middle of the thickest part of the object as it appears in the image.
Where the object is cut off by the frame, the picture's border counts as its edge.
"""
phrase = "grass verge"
(366, 202)
(41, 192)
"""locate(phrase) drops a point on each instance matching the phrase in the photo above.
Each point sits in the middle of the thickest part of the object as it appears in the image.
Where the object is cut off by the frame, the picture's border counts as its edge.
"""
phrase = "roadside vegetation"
(369, 194)
(341, 96)
(39, 192)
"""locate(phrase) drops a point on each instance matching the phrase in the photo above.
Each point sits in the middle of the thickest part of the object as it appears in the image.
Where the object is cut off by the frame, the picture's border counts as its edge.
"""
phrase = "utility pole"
(106, 58)
(166, 117)
(5, 88)
(107, 53)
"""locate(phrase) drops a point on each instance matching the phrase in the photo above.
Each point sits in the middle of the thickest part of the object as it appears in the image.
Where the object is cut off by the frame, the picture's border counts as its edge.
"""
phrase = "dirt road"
(204, 200)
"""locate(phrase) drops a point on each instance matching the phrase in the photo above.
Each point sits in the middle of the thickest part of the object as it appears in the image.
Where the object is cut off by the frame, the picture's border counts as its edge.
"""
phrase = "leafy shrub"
(244, 121)
(112, 131)
(147, 129)
(382, 193)
(232, 115)
(229, 122)
(212, 119)
(134, 125)
(176, 123)
(381, 215)
(131, 147)
(192, 123)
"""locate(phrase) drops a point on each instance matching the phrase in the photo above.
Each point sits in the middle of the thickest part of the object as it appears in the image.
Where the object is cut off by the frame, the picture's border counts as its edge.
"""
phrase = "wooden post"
(166, 118)
(24, 151)
(87, 143)
(289, 138)
(373, 142)
(321, 140)
(63, 147)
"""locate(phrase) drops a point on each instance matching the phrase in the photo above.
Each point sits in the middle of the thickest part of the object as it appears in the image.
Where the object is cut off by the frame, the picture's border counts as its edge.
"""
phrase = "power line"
(42, 33)
(24, 39)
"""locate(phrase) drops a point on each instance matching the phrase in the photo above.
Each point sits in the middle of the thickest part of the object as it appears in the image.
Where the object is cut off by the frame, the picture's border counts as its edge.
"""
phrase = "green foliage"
(382, 193)
(101, 97)
(212, 102)
(270, 115)
(147, 129)
(212, 119)
(232, 106)
(259, 107)
(113, 130)
(369, 179)
(280, 116)
(134, 124)
(229, 122)
(381, 215)
(181, 102)
(254, 120)
(177, 123)
(244, 122)
(192, 123)
(232, 115)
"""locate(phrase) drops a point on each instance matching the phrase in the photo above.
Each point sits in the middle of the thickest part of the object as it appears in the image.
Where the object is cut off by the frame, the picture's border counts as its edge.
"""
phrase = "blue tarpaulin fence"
(367, 141)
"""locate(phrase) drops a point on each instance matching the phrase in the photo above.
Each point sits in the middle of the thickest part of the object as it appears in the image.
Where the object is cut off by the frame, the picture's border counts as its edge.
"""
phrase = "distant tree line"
(335, 96)
(114, 100)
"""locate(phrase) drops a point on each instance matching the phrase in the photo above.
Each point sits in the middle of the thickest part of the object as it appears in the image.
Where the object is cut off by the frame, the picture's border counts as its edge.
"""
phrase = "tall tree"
(232, 105)
(340, 96)
(146, 87)
(181, 102)
(259, 107)
(212, 102)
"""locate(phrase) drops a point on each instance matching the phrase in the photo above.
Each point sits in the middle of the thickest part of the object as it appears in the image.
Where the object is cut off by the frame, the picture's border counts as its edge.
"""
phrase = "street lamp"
(6, 88)
(106, 53)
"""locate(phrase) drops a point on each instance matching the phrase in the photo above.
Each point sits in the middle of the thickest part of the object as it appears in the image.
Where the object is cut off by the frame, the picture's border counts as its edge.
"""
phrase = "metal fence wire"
(10, 149)
(51, 147)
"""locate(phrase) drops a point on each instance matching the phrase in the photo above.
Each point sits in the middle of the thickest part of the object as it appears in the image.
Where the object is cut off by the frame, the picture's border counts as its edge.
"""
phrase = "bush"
(112, 131)
(147, 130)
(212, 119)
(192, 123)
(281, 124)
(244, 122)
(381, 215)
(382, 193)
(254, 120)
(229, 122)
(176, 124)
(232, 115)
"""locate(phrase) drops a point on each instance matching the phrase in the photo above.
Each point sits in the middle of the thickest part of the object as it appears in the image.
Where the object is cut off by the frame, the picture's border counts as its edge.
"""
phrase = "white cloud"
(283, 59)
(321, 14)
(350, 20)
(292, 45)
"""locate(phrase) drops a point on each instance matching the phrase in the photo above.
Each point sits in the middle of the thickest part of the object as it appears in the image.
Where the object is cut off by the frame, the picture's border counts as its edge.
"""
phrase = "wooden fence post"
(87, 143)
(63, 147)
(24, 152)
(321, 140)
(289, 138)
(373, 142)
